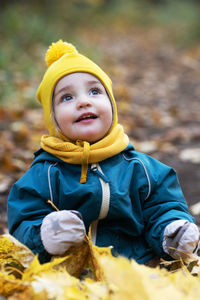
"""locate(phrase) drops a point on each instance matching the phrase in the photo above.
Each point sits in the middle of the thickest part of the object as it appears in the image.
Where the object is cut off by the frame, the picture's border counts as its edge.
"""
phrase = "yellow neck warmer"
(83, 153)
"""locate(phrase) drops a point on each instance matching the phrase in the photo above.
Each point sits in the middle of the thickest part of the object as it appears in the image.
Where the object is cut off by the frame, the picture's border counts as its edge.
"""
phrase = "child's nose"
(83, 102)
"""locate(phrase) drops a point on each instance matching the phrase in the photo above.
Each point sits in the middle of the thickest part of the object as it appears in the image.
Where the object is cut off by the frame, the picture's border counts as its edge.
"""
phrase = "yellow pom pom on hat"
(62, 59)
(57, 50)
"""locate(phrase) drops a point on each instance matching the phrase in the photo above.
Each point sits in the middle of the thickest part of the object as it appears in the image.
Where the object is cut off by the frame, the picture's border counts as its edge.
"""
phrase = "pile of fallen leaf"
(90, 272)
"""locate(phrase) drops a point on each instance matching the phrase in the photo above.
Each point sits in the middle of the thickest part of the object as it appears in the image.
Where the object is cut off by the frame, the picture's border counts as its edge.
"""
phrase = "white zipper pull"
(96, 169)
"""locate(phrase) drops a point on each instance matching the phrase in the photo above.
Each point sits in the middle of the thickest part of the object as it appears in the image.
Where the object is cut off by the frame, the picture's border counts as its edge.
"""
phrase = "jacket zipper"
(105, 200)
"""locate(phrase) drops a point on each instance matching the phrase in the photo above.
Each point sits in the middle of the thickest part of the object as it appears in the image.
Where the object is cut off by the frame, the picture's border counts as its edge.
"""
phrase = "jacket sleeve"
(164, 204)
(26, 208)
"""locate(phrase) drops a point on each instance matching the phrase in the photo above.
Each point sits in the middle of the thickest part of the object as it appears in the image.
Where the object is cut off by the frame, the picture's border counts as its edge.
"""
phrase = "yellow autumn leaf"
(76, 259)
(95, 254)
(36, 269)
(96, 290)
(54, 283)
(9, 285)
(11, 248)
(91, 272)
(29, 294)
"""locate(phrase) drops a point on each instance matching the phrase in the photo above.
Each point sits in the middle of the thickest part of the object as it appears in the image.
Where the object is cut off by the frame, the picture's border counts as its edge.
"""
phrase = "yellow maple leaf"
(11, 248)
(29, 294)
(36, 268)
(9, 285)
(109, 278)
(75, 260)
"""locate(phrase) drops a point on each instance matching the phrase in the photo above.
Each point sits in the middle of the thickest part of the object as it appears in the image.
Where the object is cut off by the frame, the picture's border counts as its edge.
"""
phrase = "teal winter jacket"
(128, 200)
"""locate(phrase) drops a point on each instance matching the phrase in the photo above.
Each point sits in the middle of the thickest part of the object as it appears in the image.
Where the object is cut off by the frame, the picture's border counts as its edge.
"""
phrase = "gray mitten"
(62, 229)
(181, 239)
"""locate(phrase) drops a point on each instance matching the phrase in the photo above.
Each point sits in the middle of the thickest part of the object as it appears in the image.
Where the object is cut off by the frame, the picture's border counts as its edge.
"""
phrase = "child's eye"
(95, 91)
(66, 98)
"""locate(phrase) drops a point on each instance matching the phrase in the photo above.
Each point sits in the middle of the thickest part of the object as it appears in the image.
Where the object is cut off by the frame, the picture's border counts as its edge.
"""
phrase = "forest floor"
(156, 85)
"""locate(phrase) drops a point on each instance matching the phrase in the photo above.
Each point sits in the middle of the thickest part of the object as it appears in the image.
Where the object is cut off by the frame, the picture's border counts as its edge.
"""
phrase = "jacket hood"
(41, 156)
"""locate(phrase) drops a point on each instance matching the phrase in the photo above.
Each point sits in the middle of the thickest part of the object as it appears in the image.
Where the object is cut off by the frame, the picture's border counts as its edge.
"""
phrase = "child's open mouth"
(86, 117)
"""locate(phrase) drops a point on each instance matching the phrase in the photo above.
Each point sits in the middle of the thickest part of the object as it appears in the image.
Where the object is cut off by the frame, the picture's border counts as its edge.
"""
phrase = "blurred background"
(150, 49)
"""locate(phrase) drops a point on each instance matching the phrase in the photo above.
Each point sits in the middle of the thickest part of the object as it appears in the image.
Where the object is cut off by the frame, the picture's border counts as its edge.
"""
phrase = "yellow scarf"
(82, 152)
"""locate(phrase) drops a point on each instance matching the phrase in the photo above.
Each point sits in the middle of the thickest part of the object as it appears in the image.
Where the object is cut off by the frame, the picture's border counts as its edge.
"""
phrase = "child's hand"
(62, 229)
(182, 236)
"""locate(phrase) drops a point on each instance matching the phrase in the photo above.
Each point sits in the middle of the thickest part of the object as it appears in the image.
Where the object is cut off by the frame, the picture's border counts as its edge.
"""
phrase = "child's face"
(82, 107)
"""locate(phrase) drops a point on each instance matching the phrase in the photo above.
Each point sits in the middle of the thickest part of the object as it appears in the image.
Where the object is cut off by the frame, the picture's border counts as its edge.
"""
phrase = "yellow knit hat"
(62, 59)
